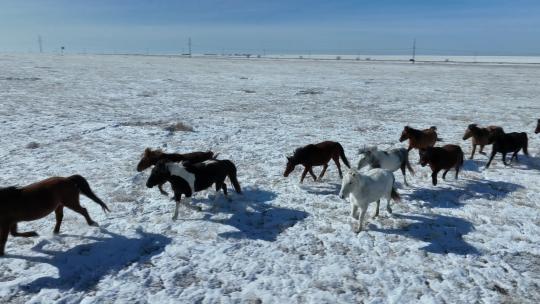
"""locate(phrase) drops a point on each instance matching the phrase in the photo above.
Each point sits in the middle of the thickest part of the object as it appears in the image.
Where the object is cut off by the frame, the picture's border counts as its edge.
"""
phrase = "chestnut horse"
(316, 155)
(508, 143)
(537, 127)
(37, 200)
(480, 137)
(151, 157)
(419, 139)
(442, 158)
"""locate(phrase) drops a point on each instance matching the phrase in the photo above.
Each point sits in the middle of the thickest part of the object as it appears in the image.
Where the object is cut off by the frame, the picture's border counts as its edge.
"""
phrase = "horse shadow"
(474, 165)
(527, 162)
(472, 189)
(323, 189)
(443, 233)
(82, 267)
(254, 217)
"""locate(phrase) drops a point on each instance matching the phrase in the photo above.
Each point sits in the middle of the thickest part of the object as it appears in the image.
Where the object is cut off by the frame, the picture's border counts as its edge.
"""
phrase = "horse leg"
(59, 216)
(312, 174)
(493, 152)
(514, 156)
(504, 158)
(354, 211)
(362, 215)
(434, 177)
(178, 201)
(325, 166)
(304, 174)
(75, 205)
(160, 187)
(224, 188)
(377, 210)
(482, 150)
(336, 160)
(403, 171)
(388, 199)
(444, 174)
(14, 232)
(4, 232)
(473, 150)
(457, 171)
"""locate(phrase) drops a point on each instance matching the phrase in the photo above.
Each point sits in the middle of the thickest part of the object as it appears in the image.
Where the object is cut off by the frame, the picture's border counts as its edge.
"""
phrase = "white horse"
(364, 189)
(390, 160)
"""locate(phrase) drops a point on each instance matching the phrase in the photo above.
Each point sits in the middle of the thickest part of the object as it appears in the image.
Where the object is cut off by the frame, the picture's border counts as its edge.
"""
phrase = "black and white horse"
(187, 179)
(390, 160)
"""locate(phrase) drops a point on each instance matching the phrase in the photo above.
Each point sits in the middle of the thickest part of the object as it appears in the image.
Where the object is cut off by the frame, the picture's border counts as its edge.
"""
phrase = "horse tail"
(525, 144)
(84, 188)
(407, 163)
(461, 158)
(439, 139)
(343, 157)
(232, 176)
(393, 193)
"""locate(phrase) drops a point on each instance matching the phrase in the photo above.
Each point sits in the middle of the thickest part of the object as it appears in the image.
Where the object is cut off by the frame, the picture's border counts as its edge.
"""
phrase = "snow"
(471, 240)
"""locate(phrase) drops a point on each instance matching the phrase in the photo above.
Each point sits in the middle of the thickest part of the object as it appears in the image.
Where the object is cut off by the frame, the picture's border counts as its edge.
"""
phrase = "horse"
(419, 139)
(507, 143)
(316, 155)
(537, 130)
(34, 201)
(480, 137)
(151, 157)
(189, 178)
(362, 189)
(390, 160)
(442, 158)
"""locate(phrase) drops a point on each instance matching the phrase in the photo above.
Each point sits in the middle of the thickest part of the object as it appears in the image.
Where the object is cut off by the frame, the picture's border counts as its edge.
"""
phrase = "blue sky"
(488, 27)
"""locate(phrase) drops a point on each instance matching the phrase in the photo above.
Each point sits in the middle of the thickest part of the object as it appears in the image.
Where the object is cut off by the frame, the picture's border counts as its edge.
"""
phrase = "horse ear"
(147, 150)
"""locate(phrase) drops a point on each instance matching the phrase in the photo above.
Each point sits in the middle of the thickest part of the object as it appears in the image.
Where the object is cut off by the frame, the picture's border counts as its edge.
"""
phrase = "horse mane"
(9, 193)
(414, 132)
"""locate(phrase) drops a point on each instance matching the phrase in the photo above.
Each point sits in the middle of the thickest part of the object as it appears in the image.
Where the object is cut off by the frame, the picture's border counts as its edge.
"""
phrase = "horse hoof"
(33, 234)
(94, 224)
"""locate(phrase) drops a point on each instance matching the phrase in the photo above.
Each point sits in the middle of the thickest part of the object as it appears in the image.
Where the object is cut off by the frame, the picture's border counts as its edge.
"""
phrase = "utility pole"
(189, 46)
(413, 59)
(40, 43)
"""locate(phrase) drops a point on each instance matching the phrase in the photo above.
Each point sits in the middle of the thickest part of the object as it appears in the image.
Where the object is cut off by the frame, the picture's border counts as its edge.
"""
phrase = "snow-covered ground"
(471, 240)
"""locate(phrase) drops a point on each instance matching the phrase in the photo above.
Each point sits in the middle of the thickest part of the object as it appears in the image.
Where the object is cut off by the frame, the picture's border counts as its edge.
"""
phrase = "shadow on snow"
(472, 189)
(443, 233)
(253, 217)
(82, 267)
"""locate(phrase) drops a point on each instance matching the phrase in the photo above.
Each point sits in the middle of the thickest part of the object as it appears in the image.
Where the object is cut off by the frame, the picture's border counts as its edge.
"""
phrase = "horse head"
(468, 131)
(291, 163)
(148, 158)
(404, 134)
(349, 179)
(425, 156)
(159, 174)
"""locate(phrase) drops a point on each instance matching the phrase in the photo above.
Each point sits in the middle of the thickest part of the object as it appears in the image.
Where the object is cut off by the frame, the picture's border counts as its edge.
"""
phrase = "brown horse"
(419, 139)
(442, 158)
(37, 200)
(508, 143)
(316, 155)
(151, 157)
(537, 127)
(480, 137)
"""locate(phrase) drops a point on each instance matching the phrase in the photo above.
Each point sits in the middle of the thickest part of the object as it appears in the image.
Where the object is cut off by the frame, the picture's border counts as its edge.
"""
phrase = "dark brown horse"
(35, 201)
(508, 143)
(151, 157)
(480, 137)
(442, 158)
(316, 155)
(419, 139)
(537, 127)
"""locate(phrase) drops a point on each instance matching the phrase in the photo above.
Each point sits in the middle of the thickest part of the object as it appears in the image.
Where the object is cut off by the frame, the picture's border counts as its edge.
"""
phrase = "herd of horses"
(197, 171)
